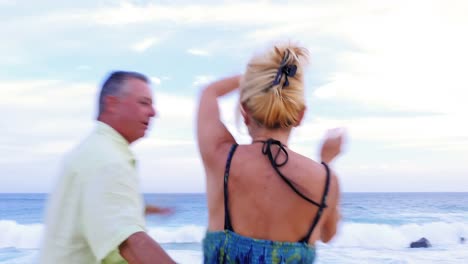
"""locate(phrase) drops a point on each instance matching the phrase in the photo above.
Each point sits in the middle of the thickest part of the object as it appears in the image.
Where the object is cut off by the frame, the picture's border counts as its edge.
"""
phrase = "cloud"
(155, 80)
(389, 56)
(54, 147)
(393, 130)
(173, 107)
(198, 52)
(144, 44)
(6, 2)
(253, 13)
(202, 80)
(83, 67)
(46, 117)
(260, 13)
(46, 94)
(392, 86)
(392, 67)
(171, 140)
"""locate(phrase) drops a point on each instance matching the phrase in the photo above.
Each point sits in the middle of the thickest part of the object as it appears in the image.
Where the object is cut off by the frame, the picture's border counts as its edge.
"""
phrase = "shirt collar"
(117, 138)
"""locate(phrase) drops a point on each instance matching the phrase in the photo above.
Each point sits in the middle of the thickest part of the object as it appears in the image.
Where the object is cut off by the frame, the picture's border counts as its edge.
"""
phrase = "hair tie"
(289, 70)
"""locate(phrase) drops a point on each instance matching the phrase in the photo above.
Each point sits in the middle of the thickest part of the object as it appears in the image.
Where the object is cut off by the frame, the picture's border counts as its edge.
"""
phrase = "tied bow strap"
(266, 150)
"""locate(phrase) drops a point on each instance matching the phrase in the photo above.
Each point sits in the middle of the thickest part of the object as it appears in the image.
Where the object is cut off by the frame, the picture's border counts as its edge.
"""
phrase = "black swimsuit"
(266, 150)
(229, 247)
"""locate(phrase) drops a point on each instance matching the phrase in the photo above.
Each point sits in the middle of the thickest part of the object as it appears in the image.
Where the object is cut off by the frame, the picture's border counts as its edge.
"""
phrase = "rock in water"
(421, 243)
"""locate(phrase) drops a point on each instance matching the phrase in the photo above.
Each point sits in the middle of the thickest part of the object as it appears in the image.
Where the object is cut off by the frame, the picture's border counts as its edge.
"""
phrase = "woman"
(272, 204)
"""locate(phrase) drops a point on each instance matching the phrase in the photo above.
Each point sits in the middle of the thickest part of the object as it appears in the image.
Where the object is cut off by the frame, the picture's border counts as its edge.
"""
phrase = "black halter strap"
(266, 150)
(227, 217)
(321, 207)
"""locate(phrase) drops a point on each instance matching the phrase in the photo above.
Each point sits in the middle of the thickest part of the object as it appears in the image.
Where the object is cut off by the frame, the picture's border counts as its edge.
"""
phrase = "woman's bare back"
(261, 204)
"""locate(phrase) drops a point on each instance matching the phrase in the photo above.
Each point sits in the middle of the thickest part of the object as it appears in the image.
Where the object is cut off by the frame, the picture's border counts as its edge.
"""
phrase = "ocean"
(375, 228)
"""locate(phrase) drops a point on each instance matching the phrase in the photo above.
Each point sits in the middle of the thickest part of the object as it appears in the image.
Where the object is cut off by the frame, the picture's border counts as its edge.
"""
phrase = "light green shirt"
(96, 204)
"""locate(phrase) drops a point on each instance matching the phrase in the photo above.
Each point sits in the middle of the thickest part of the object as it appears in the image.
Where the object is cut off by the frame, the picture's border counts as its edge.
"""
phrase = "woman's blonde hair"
(272, 88)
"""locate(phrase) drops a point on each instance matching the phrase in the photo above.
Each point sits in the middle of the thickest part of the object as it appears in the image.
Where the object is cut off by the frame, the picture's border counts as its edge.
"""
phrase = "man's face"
(135, 109)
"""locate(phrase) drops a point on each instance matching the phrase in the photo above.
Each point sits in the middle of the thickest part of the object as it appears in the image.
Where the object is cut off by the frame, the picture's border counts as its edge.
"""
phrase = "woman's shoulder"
(311, 175)
(217, 157)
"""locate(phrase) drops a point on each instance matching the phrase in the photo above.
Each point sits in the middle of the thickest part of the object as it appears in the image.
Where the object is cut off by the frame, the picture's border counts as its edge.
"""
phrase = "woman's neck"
(263, 134)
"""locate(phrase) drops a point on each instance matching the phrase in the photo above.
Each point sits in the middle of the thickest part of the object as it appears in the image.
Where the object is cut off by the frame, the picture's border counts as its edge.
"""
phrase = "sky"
(392, 73)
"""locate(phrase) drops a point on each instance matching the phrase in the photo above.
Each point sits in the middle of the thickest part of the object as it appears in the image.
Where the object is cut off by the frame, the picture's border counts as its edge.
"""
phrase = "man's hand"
(331, 147)
(151, 209)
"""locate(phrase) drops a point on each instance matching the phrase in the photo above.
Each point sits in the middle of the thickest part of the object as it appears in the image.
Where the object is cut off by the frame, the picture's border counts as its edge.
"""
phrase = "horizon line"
(353, 192)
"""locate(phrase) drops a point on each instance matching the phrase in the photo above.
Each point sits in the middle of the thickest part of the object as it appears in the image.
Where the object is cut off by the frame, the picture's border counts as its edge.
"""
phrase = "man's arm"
(113, 220)
(140, 248)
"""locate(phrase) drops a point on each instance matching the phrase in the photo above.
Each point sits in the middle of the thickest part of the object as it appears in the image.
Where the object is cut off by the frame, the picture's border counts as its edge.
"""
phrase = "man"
(96, 213)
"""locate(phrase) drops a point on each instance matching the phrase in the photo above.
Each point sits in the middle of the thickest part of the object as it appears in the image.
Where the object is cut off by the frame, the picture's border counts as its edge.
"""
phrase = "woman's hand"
(332, 144)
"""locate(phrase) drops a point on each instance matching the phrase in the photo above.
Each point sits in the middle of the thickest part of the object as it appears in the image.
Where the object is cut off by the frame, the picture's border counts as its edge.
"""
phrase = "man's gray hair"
(115, 83)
